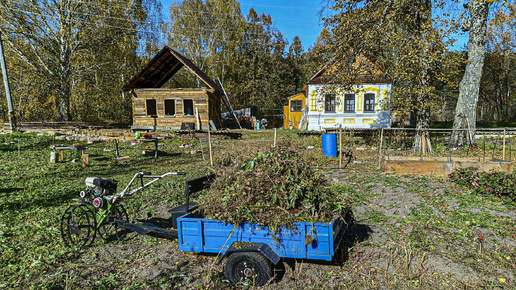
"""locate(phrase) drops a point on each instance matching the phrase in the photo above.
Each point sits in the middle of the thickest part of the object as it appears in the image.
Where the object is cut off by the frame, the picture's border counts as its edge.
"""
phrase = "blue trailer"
(251, 249)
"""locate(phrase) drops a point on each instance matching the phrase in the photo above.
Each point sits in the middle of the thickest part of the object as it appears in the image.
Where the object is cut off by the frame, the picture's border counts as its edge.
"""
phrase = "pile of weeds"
(497, 183)
(274, 189)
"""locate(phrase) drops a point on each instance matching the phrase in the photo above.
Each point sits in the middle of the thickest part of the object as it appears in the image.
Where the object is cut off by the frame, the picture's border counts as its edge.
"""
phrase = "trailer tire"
(248, 267)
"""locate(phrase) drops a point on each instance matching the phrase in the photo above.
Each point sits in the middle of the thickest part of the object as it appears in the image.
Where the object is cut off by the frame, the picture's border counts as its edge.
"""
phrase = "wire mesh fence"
(485, 144)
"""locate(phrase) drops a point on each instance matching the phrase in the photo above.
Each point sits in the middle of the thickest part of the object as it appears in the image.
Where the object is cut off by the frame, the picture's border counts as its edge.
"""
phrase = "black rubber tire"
(78, 226)
(109, 231)
(249, 268)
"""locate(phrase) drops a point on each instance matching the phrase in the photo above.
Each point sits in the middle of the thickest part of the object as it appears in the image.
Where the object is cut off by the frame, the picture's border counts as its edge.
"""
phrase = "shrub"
(497, 183)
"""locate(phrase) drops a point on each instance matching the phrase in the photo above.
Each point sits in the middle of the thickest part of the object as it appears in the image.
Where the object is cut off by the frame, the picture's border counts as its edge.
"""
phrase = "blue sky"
(291, 17)
(302, 18)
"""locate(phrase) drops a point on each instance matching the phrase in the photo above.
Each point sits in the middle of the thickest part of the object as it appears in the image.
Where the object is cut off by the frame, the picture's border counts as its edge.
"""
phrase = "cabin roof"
(162, 67)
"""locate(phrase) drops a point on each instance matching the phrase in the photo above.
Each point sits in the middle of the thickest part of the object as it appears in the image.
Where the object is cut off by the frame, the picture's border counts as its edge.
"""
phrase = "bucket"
(329, 145)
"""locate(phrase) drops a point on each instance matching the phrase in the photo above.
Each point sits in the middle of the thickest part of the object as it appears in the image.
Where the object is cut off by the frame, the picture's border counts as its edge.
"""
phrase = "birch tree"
(207, 32)
(466, 110)
(54, 39)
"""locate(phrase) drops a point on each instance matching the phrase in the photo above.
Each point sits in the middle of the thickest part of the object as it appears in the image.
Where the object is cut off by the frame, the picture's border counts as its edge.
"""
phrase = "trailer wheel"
(249, 268)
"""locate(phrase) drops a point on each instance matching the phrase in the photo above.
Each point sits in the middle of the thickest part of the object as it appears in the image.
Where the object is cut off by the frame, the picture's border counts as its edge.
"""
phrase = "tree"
(207, 32)
(296, 61)
(57, 39)
(466, 110)
(246, 53)
(401, 38)
(497, 94)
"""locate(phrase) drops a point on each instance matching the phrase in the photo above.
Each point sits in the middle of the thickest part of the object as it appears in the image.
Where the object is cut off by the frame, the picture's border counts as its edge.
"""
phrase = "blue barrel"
(329, 145)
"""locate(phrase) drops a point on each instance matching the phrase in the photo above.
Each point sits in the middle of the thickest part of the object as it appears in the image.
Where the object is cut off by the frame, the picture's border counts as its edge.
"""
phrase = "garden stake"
(510, 148)
(380, 148)
(494, 148)
(449, 146)
(467, 151)
(484, 148)
(504, 137)
(423, 138)
(340, 146)
(421, 147)
(405, 143)
(209, 146)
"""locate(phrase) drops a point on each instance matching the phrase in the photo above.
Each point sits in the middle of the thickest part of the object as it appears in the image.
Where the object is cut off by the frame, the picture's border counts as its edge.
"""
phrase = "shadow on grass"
(354, 235)
(10, 190)
(357, 234)
(24, 202)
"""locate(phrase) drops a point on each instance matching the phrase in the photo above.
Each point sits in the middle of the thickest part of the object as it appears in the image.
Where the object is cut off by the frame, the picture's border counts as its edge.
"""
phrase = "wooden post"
(423, 142)
(202, 150)
(380, 148)
(209, 146)
(274, 137)
(61, 154)
(85, 160)
(53, 157)
(504, 138)
(352, 135)
(340, 146)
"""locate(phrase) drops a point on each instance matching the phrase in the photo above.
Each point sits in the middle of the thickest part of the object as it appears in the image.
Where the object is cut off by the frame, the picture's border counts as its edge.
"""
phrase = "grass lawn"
(412, 231)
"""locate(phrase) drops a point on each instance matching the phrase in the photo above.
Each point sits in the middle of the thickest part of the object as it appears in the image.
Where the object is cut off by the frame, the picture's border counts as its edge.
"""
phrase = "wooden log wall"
(202, 99)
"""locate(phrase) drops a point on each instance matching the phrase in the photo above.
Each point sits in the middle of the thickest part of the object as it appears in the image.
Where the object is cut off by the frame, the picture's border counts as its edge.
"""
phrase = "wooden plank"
(123, 159)
(85, 160)
(441, 167)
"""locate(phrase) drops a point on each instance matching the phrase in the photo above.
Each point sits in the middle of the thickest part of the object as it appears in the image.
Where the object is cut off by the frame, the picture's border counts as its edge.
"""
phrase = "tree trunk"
(65, 64)
(466, 110)
(64, 89)
(422, 143)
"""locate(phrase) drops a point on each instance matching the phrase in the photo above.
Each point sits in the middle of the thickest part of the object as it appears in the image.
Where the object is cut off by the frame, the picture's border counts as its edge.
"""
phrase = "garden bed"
(439, 165)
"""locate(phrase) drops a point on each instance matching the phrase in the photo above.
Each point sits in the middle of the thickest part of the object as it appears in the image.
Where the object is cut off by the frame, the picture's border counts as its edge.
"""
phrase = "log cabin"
(157, 108)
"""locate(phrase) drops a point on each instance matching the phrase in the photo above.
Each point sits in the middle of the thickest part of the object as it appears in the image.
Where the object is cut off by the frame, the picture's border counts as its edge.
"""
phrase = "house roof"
(367, 72)
(162, 67)
(296, 95)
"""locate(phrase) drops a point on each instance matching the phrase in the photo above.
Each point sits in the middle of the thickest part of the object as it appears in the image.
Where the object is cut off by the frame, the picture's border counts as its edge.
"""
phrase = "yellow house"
(294, 111)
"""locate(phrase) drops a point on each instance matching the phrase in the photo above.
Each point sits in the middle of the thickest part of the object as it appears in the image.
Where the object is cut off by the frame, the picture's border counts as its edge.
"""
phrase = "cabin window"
(188, 107)
(369, 102)
(296, 106)
(170, 107)
(329, 103)
(349, 103)
(150, 104)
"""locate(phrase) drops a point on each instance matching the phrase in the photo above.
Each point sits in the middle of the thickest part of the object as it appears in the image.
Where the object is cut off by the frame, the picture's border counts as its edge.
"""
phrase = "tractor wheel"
(78, 226)
(248, 268)
(109, 231)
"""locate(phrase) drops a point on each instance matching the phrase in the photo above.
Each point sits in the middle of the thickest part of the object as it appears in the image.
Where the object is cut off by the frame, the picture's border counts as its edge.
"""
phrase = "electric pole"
(12, 119)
